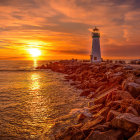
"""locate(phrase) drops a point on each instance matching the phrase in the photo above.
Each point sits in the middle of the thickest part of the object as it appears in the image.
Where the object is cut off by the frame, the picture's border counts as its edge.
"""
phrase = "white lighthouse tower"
(95, 53)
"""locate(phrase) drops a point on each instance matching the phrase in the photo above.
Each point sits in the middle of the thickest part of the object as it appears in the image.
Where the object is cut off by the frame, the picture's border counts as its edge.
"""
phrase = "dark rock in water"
(126, 121)
(42, 67)
(108, 135)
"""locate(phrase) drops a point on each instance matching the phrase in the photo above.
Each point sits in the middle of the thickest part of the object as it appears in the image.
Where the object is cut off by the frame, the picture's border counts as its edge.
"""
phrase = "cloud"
(65, 25)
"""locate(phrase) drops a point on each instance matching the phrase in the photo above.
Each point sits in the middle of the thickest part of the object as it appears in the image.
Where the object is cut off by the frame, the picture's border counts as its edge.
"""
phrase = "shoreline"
(114, 93)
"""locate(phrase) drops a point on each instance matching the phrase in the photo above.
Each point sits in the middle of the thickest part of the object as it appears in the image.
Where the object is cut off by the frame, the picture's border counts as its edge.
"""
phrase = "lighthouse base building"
(95, 52)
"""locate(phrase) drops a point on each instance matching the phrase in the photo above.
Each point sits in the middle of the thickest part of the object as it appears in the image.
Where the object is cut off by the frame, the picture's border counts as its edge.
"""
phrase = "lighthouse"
(95, 52)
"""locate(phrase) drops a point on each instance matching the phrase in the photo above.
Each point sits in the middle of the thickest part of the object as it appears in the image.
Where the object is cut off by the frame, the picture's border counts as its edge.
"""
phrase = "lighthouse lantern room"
(95, 52)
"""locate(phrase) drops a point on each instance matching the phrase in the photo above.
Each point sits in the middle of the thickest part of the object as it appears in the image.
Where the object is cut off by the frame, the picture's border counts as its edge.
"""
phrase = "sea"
(35, 104)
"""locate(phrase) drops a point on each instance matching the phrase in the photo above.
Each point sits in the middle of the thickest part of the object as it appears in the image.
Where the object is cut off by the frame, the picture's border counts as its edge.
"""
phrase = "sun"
(35, 52)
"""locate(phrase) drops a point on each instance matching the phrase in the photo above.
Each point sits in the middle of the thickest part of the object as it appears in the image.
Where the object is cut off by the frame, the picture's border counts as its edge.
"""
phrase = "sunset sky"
(60, 29)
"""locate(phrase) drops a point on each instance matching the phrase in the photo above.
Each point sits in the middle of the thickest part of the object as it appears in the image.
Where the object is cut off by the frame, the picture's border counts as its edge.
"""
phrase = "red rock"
(85, 92)
(118, 95)
(134, 89)
(111, 115)
(102, 127)
(137, 80)
(126, 121)
(136, 72)
(136, 136)
(71, 133)
(90, 103)
(114, 105)
(108, 135)
(81, 117)
(91, 124)
(132, 110)
(102, 98)
(103, 112)
(95, 108)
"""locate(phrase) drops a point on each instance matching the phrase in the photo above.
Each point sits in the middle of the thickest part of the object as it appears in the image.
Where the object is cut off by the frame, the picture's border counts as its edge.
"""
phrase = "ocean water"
(35, 104)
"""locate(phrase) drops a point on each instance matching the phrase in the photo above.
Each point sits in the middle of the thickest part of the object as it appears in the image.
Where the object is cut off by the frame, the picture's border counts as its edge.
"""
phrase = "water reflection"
(35, 81)
(35, 63)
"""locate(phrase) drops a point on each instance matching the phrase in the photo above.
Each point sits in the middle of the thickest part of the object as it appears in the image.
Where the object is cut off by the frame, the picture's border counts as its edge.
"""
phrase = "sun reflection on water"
(35, 85)
(35, 63)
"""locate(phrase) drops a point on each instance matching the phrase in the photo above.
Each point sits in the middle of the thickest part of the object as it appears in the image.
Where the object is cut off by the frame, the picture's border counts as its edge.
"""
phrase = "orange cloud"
(61, 28)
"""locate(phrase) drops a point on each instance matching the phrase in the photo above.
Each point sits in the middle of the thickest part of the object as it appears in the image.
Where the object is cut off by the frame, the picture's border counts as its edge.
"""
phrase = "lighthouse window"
(95, 58)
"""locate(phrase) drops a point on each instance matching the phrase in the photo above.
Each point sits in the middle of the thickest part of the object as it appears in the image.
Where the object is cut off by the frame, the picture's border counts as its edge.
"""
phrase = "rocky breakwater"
(114, 90)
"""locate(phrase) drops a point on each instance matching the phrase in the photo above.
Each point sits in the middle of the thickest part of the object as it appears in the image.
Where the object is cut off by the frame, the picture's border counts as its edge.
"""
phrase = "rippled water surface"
(34, 104)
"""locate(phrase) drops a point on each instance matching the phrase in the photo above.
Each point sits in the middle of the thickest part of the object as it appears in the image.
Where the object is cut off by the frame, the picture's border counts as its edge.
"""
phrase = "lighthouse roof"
(95, 29)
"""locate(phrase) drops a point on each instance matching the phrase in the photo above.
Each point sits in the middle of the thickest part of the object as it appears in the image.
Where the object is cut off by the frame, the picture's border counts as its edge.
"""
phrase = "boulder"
(114, 105)
(81, 117)
(132, 110)
(92, 123)
(111, 115)
(128, 67)
(90, 103)
(95, 108)
(118, 95)
(108, 135)
(102, 127)
(103, 112)
(71, 133)
(85, 92)
(136, 136)
(134, 89)
(136, 72)
(137, 80)
(126, 121)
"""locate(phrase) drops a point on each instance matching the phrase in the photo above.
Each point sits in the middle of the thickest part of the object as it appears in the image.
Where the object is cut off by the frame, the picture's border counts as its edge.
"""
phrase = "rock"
(114, 105)
(111, 115)
(128, 67)
(71, 133)
(138, 61)
(118, 95)
(136, 72)
(134, 89)
(90, 124)
(100, 88)
(108, 135)
(102, 127)
(126, 121)
(85, 92)
(95, 108)
(103, 112)
(116, 79)
(81, 117)
(132, 110)
(90, 103)
(136, 136)
(137, 80)
(101, 99)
